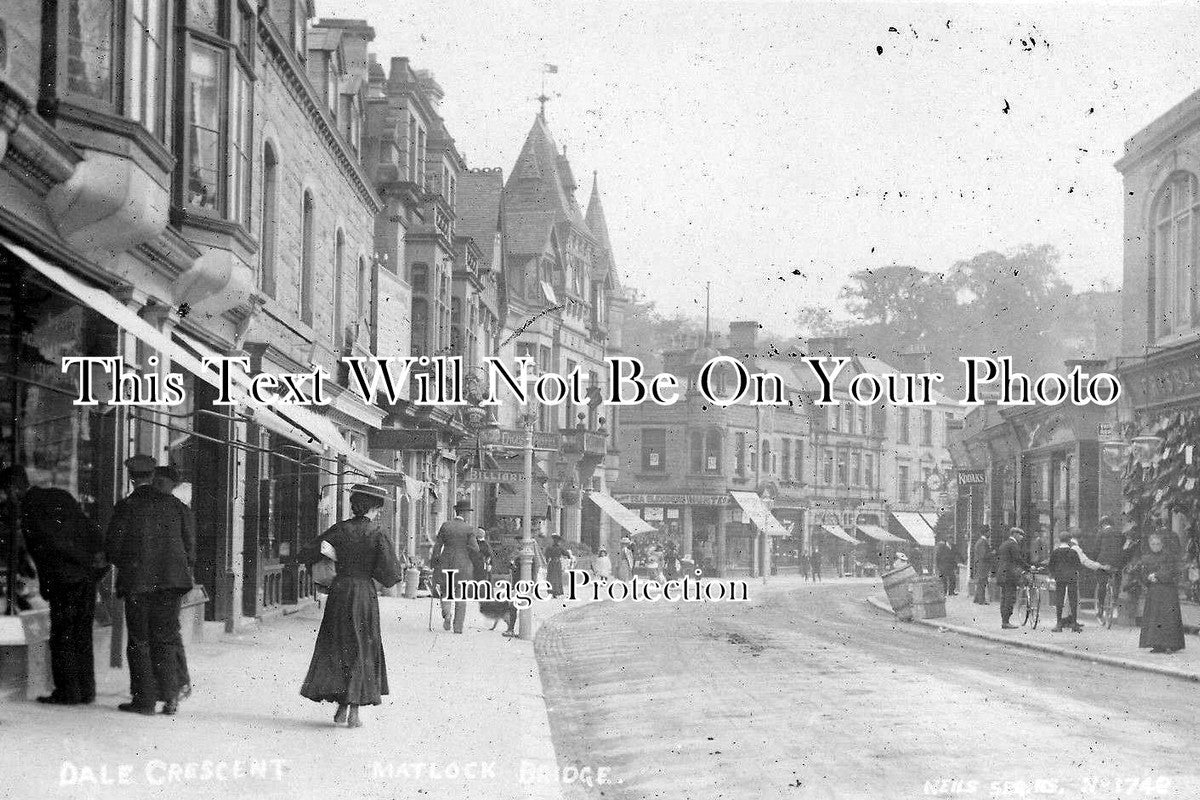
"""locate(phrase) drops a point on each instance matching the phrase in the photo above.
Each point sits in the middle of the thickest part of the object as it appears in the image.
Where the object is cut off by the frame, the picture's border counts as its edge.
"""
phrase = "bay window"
(218, 99)
(90, 33)
(146, 66)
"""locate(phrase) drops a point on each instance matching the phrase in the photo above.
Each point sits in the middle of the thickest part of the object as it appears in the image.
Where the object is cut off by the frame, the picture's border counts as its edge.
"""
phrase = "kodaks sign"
(971, 477)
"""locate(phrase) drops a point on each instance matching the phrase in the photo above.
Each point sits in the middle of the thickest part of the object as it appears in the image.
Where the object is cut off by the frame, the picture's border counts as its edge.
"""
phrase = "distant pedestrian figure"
(947, 567)
(671, 562)
(68, 551)
(982, 563)
(151, 540)
(1011, 570)
(347, 665)
(623, 569)
(558, 559)
(816, 564)
(805, 566)
(455, 550)
(602, 566)
(1158, 573)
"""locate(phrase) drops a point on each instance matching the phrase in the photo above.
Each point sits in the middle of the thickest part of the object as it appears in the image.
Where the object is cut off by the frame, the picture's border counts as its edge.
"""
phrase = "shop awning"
(115, 311)
(294, 422)
(877, 533)
(838, 532)
(916, 527)
(619, 514)
(759, 514)
(379, 474)
(931, 520)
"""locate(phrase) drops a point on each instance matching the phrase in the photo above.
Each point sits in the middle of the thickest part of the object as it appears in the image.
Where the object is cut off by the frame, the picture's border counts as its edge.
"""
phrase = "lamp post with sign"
(525, 616)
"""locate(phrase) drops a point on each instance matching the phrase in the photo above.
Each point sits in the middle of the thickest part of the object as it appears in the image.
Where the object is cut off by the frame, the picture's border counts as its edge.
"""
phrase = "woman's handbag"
(324, 570)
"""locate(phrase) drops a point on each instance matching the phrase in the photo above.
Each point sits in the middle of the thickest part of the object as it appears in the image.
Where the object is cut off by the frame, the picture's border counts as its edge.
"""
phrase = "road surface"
(810, 693)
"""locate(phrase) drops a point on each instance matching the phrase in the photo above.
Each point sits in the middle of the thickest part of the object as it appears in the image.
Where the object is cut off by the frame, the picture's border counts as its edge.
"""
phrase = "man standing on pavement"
(152, 542)
(1065, 562)
(166, 480)
(68, 551)
(947, 567)
(982, 561)
(816, 564)
(1010, 572)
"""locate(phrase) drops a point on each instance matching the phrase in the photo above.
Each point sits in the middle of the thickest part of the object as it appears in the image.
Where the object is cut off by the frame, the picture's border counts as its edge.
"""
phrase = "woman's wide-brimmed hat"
(378, 492)
(462, 505)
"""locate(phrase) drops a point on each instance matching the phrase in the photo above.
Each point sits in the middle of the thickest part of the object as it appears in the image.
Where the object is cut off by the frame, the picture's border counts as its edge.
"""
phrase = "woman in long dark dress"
(1162, 621)
(557, 557)
(347, 666)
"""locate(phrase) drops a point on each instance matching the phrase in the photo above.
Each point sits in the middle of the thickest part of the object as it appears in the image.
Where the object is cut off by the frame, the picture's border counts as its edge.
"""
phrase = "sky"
(737, 142)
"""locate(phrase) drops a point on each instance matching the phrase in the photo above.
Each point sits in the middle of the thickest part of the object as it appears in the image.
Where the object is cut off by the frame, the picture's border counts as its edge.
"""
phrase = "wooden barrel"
(895, 584)
(928, 598)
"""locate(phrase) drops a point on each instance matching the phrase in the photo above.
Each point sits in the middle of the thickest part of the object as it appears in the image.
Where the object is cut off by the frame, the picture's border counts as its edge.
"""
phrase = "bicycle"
(1029, 597)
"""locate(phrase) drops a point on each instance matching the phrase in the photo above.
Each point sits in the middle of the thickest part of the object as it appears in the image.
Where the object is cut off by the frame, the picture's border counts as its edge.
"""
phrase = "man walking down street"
(166, 480)
(816, 564)
(152, 542)
(455, 551)
(68, 551)
(1009, 573)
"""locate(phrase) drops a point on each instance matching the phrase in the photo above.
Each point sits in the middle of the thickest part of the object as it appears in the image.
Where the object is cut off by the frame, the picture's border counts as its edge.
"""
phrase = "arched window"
(420, 278)
(420, 326)
(1176, 221)
(307, 218)
(362, 305)
(339, 263)
(269, 221)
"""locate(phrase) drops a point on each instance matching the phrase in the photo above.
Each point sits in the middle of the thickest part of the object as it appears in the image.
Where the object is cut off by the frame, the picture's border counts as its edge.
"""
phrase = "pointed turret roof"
(599, 228)
(539, 193)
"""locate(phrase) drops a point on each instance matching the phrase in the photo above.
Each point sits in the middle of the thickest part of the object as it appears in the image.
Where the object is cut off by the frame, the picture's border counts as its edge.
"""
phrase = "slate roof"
(538, 194)
(480, 208)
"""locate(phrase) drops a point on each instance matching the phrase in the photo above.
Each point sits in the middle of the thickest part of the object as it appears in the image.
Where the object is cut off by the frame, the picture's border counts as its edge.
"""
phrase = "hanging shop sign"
(673, 499)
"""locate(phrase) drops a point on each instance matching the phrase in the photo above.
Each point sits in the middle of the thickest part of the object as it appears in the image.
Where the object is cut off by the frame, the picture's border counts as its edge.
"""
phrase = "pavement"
(1116, 646)
(465, 718)
(807, 692)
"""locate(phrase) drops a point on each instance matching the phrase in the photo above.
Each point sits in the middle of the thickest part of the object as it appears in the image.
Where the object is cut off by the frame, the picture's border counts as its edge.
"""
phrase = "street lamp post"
(525, 616)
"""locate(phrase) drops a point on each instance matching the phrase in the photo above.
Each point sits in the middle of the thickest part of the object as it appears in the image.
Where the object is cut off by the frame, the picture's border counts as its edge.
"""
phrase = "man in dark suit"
(456, 548)
(947, 567)
(67, 550)
(1010, 572)
(982, 560)
(152, 542)
(1108, 551)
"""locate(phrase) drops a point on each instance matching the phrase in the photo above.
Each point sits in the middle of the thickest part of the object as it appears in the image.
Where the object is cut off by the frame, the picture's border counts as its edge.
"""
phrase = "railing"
(271, 592)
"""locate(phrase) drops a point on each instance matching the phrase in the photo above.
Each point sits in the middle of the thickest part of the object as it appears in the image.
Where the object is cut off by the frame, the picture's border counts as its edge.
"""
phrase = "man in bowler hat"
(151, 541)
(456, 548)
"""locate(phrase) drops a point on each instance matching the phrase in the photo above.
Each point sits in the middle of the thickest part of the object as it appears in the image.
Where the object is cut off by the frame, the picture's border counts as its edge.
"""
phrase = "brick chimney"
(743, 335)
(828, 346)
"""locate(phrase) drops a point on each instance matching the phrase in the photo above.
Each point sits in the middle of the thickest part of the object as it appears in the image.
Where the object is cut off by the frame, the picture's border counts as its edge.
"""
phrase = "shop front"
(1161, 454)
(698, 524)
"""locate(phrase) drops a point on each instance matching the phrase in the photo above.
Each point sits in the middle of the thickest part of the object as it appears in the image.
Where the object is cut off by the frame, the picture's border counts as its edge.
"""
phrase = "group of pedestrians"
(1153, 575)
(150, 540)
